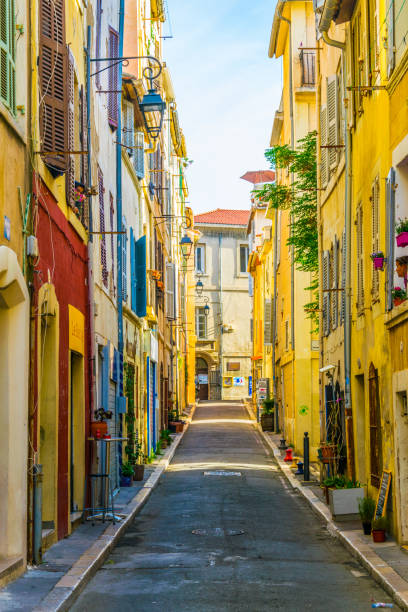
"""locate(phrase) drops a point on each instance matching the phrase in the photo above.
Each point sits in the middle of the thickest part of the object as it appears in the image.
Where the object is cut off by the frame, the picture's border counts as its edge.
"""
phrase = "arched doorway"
(202, 378)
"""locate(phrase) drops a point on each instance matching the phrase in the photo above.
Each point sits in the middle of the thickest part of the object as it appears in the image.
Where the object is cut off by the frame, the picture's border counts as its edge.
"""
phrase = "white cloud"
(227, 91)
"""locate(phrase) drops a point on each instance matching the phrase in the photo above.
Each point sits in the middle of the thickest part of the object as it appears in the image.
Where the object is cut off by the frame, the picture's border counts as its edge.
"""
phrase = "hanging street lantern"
(186, 245)
(152, 103)
(199, 288)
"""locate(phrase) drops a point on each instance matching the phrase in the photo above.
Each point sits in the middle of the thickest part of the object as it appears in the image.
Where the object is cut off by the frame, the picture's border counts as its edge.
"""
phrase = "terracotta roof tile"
(224, 216)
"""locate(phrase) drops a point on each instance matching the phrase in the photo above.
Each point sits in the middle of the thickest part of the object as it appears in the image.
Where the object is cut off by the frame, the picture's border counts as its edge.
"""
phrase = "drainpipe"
(37, 513)
(119, 191)
(325, 23)
(220, 299)
(91, 308)
(275, 268)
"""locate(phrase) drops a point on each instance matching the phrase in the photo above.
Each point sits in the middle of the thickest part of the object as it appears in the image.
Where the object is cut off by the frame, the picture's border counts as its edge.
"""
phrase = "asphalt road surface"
(243, 541)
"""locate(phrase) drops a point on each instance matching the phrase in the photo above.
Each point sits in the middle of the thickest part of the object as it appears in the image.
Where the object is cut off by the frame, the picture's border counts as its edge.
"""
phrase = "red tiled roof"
(224, 216)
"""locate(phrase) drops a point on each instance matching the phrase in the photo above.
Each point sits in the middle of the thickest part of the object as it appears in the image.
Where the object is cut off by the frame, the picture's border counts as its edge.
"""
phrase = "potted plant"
(401, 230)
(175, 424)
(398, 296)
(268, 415)
(126, 474)
(366, 509)
(378, 260)
(138, 463)
(378, 529)
(327, 452)
(343, 499)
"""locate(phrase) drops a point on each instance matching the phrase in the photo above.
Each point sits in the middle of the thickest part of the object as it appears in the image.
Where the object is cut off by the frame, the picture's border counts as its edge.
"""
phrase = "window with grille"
(113, 80)
(104, 265)
(375, 235)
(243, 258)
(8, 55)
(360, 260)
(375, 427)
(53, 84)
(201, 323)
(200, 258)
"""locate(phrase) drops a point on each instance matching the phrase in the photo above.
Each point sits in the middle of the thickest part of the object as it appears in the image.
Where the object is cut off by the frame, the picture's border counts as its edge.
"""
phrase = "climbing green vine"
(300, 198)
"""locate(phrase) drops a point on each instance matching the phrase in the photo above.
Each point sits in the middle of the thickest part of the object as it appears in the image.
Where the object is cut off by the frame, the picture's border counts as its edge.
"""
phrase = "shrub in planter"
(378, 529)
(126, 474)
(401, 230)
(344, 498)
(268, 415)
(366, 509)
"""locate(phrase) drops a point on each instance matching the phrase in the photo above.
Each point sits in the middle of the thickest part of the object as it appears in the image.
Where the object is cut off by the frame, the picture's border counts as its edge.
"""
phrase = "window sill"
(398, 315)
(12, 123)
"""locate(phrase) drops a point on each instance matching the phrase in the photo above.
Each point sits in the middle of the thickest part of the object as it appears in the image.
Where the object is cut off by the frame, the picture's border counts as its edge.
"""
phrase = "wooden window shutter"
(375, 427)
(101, 191)
(360, 260)
(390, 208)
(390, 36)
(268, 322)
(83, 137)
(324, 166)
(98, 41)
(112, 241)
(70, 174)
(170, 296)
(375, 238)
(343, 278)
(326, 293)
(7, 55)
(335, 285)
(113, 80)
(332, 122)
(132, 271)
(138, 158)
(53, 78)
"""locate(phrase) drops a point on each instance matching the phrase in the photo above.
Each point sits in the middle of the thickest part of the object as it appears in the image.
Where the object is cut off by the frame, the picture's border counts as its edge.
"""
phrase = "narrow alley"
(223, 531)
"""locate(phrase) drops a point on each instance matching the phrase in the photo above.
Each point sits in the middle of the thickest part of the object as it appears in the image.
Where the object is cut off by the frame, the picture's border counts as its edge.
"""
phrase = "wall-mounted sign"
(250, 386)
(227, 381)
(233, 366)
(383, 494)
(7, 227)
(203, 379)
(239, 381)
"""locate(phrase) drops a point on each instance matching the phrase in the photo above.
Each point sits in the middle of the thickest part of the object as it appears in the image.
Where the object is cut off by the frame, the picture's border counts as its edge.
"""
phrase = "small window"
(201, 323)
(200, 259)
(243, 258)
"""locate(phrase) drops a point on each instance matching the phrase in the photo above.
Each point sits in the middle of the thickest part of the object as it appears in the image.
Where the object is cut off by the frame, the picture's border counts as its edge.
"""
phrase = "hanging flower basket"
(327, 452)
(160, 285)
(156, 274)
(378, 260)
(402, 239)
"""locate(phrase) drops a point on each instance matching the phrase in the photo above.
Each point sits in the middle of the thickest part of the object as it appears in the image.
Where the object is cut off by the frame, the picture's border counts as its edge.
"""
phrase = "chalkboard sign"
(383, 494)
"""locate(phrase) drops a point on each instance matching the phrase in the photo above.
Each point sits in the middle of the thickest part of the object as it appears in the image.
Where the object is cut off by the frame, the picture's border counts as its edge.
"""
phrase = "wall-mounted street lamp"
(206, 310)
(186, 245)
(199, 288)
(152, 102)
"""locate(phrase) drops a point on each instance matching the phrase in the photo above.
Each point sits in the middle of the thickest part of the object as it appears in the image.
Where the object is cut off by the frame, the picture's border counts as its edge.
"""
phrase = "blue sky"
(227, 91)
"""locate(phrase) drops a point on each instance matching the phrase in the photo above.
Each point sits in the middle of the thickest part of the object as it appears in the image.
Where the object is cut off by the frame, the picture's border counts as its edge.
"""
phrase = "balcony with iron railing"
(307, 68)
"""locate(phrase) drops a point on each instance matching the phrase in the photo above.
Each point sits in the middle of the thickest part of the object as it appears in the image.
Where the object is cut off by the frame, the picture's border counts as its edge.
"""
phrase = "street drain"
(222, 473)
(218, 532)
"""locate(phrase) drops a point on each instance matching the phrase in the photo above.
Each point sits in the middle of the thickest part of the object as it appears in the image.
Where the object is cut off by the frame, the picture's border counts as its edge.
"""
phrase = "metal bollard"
(306, 470)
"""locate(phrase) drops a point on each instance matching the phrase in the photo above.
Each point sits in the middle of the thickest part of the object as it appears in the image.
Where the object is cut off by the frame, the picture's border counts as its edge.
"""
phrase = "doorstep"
(71, 563)
(386, 562)
(10, 568)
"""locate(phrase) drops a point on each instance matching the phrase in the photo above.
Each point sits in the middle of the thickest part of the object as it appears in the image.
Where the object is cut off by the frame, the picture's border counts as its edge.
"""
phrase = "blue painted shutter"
(132, 272)
(138, 158)
(390, 208)
(124, 260)
(141, 294)
(105, 377)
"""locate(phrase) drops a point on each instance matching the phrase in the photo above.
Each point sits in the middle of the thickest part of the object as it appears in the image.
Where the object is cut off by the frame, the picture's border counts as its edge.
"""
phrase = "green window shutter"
(7, 55)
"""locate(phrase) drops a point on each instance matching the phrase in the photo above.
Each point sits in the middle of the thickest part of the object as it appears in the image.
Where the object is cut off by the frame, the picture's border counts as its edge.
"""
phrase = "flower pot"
(267, 422)
(378, 534)
(163, 443)
(402, 239)
(328, 452)
(398, 301)
(138, 472)
(125, 481)
(99, 426)
(367, 527)
(378, 263)
(176, 426)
